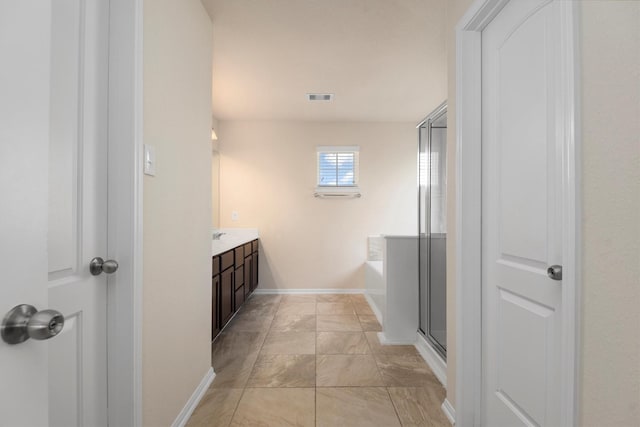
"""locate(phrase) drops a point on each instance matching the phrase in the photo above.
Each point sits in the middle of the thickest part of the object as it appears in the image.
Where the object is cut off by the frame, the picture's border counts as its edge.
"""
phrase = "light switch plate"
(149, 160)
(234, 216)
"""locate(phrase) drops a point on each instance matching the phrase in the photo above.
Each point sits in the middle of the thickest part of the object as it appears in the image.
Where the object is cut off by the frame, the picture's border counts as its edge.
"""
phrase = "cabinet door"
(254, 271)
(248, 274)
(239, 277)
(239, 297)
(215, 310)
(226, 296)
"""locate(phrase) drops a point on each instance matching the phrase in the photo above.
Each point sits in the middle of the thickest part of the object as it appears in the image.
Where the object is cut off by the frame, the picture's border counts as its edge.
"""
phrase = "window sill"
(337, 192)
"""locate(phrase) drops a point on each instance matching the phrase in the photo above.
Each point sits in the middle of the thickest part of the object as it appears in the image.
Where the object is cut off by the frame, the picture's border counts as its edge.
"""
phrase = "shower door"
(432, 172)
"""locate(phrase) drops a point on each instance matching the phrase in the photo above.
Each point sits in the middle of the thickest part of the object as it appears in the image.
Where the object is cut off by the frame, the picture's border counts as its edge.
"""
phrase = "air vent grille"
(320, 96)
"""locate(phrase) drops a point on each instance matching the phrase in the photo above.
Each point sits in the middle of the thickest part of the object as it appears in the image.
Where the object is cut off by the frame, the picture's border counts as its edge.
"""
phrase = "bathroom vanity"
(234, 275)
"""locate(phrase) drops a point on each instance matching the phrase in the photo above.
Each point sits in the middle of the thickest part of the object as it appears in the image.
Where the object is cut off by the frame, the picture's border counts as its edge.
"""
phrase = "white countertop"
(232, 238)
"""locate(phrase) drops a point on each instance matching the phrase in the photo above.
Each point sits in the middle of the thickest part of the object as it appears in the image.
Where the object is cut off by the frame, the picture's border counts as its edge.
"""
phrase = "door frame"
(124, 239)
(469, 202)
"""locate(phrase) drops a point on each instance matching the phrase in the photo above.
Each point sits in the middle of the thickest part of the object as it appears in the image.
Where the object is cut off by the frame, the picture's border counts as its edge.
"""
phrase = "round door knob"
(98, 265)
(24, 321)
(555, 272)
(45, 324)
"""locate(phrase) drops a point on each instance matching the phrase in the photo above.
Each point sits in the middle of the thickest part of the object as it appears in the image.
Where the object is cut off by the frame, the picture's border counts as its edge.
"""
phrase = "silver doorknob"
(555, 272)
(24, 321)
(98, 265)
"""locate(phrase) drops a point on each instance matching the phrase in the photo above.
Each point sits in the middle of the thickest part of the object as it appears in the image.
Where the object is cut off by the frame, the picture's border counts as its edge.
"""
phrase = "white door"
(521, 216)
(53, 184)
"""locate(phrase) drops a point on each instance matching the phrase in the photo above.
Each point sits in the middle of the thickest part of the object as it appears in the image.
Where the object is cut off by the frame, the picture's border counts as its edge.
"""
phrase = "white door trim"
(124, 306)
(468, 211)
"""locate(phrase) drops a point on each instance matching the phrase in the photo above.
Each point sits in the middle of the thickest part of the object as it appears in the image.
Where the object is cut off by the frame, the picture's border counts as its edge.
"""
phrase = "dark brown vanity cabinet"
(215, 295)
(226, 296)
(234, 277)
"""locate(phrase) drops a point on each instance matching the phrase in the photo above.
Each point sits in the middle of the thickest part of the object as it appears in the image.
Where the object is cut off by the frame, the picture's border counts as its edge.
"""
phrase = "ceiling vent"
(320, 96)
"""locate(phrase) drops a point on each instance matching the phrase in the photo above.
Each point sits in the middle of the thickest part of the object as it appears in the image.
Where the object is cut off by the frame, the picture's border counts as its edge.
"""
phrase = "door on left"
(53, 219)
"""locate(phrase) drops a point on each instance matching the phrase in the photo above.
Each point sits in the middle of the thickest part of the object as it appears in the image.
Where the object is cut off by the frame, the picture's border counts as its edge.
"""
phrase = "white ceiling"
(385, 60)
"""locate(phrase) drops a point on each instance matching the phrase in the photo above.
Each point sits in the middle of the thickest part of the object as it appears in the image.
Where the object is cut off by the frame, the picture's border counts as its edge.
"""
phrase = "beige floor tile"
(299, 298)
(264, 299)
(405, 370)
(294, 322)
(236, 344)
(358, 298)
(276, 407)
(370, 323)
(233, 356)
(342, 343)
(354, 407)
(333, 298)
(216, 408)
(297, 308)
(378, 348)
(249, 322)
(283, 370)
(347, 370)
(258, 310)
(335, 308)
(289, 343)
(339, 323)
(419, 406)
(363, 308)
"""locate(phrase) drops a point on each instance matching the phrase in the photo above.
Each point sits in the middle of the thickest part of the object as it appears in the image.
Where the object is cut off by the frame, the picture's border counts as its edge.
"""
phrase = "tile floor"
(315, 360)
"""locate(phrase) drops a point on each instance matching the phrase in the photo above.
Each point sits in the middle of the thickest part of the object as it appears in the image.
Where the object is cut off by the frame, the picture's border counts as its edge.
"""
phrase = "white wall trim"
(374, 308)
(307, 291)
(386, 341)
(572, 215)
(196, 397)
(449, 412)
(468, 212)
(124, 289)
(433, 359)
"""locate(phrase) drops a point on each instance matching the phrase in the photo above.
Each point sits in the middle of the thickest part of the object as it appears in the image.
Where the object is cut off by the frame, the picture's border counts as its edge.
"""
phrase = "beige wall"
(268, 175)
(177, 206)
(610, 352)
(611, 213)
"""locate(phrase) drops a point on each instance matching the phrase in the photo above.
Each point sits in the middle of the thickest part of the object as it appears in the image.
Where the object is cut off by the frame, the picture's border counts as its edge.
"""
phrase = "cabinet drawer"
(247, 249)
(239, 277)
(226, 260)
(215, 266)
(254, 246)
(239, 256)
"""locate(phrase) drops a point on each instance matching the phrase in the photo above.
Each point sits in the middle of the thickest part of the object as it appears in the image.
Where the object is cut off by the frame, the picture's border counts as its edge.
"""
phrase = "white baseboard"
(307, 291)
(433, 359)
(386, 341)
(195, 398)
(449, 411)
(375, 309)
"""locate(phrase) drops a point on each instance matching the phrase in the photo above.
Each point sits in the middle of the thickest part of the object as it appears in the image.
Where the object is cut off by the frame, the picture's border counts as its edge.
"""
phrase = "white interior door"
(78, 211)
(60, 187)
(24, 144)
(521, 216)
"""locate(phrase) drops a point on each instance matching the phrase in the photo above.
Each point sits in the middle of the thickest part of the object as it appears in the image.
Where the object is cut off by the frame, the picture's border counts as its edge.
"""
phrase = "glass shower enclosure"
(432, 223)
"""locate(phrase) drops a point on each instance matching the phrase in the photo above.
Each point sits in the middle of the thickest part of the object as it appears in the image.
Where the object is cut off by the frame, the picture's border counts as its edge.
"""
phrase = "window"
(337, 168)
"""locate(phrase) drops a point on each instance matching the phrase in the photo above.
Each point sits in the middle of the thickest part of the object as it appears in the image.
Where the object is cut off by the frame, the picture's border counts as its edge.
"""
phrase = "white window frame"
(339, 189)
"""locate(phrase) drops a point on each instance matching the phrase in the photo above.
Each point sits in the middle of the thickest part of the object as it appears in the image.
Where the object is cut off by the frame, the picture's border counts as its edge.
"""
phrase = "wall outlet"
(234, 216)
